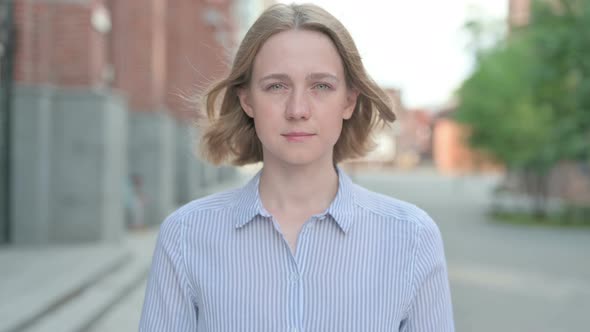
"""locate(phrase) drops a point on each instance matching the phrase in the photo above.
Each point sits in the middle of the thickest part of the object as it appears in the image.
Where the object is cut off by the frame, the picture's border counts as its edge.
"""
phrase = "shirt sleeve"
(431, 308)
(168, 304)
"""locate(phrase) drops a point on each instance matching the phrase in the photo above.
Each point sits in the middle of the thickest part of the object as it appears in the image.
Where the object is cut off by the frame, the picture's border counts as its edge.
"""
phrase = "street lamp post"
(6, 70)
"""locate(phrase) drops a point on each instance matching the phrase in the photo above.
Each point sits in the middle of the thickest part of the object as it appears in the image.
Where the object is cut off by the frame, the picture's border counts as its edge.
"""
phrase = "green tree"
(560, 38)
(498, 104)
(528, 100)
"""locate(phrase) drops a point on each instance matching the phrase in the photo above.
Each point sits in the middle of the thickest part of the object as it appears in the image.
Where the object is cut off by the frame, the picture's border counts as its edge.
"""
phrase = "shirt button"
(294, 330)
(295, 278)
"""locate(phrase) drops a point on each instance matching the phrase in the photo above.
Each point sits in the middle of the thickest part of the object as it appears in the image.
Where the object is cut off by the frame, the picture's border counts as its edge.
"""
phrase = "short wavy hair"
(229, 135)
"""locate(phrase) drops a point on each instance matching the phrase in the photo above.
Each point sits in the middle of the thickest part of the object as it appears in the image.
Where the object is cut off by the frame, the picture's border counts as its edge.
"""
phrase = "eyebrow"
(321, 76)
(310, 77)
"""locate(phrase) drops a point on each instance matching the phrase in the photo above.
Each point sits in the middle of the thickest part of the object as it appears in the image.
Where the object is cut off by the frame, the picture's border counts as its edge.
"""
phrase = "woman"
(300, 247)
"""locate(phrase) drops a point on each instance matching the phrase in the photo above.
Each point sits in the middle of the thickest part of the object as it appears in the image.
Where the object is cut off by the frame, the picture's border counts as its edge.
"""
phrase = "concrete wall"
(188, 167)
(69, 161)
(194, 177)
(152, 157)
(3, 178)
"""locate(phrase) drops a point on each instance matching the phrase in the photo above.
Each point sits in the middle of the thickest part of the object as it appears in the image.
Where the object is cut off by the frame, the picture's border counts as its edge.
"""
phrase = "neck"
(299, 189)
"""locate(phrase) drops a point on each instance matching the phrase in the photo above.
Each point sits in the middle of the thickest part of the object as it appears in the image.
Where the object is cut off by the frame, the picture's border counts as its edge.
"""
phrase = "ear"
(244, 96)
(351, 98)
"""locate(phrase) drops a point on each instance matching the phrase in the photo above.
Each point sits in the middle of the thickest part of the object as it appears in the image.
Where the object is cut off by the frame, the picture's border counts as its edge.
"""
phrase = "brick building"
(404, 144)
(384, 153)
(414, 139)
(519, 12)
(97, 89)
(451, 151)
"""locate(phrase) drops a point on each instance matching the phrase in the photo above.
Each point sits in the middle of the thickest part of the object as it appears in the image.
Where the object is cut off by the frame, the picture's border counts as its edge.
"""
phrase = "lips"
(297, 136)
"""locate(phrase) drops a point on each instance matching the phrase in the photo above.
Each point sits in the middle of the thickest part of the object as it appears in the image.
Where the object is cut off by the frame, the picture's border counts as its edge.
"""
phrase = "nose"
(298, 106)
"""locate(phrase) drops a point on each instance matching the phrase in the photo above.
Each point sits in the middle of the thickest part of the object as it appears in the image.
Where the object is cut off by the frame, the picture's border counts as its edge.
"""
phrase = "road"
(503, 277)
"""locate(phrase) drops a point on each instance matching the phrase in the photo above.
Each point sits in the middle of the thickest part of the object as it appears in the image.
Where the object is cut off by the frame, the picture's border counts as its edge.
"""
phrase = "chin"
(299, 159)
(296, 155)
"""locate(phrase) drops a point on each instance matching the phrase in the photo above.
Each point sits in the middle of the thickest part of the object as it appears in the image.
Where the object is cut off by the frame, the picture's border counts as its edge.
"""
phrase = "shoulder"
(426, 239)
(393, 209)
(194, 210)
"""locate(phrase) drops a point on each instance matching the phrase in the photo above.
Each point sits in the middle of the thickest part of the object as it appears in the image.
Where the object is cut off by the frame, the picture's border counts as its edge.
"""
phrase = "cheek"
(333, 129)
(264, 126)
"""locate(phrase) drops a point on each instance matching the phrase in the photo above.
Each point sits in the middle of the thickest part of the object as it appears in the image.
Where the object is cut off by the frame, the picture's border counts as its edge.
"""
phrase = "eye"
(274, 87)
(322, 86)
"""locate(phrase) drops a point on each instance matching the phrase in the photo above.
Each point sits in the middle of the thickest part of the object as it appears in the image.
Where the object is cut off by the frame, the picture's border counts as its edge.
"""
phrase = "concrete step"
(35, 281)
(81, 311)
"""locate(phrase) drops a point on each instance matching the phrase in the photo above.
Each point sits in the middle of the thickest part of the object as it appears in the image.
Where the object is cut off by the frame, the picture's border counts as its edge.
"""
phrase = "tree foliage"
(528, 100)
(560, 37)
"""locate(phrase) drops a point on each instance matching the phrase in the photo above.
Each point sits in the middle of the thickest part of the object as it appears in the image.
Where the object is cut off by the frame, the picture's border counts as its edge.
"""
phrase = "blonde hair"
(230, 134)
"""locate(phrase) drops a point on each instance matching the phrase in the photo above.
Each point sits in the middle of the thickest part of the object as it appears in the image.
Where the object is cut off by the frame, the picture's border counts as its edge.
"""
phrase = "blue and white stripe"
(369, 263)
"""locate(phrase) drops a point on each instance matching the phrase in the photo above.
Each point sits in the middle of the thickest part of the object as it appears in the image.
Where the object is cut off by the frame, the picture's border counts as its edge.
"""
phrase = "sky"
(417, 46)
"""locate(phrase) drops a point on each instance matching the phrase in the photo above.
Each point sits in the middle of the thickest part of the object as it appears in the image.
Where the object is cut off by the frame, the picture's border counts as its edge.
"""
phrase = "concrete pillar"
(69, 161)
(152, 158)
(187, 165)
(31, 165)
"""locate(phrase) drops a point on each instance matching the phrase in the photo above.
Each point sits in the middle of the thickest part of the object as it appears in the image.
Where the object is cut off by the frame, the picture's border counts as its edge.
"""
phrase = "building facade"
(519, 12)
(99, 115)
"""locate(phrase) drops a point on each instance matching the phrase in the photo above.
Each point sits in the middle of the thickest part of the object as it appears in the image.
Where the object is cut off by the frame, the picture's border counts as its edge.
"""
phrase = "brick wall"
(139, 51)
(157, 49)
(452, 155)
(56, 43)
(415, 135)
(198, 38)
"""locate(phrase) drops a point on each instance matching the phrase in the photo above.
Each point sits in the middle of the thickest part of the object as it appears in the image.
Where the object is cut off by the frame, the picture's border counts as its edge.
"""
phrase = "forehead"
(298, 52)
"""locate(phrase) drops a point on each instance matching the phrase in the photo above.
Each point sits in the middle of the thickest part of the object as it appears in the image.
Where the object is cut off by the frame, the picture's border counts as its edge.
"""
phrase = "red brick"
(158, 48)
(195, 58)
(56, 43)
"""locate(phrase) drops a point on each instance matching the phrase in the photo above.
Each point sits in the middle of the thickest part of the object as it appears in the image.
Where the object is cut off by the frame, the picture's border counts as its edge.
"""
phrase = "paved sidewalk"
(41, 287)
(125, 315)
(63, 288)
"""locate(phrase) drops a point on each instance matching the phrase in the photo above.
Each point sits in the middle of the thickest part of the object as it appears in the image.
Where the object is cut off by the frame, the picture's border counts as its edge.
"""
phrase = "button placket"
(296, 278)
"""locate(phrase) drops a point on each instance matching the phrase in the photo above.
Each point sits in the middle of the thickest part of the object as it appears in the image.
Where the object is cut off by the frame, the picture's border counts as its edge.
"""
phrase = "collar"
(247, 204)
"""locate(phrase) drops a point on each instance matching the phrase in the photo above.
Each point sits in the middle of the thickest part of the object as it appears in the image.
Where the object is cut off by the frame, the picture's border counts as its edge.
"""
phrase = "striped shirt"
(368, 263)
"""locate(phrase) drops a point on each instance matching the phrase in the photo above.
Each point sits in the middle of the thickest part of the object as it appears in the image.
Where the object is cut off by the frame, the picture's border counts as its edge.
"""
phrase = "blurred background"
(97, 147)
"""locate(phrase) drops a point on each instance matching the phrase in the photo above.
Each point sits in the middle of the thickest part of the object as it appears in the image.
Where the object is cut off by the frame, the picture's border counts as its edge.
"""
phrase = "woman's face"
(298, 98)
